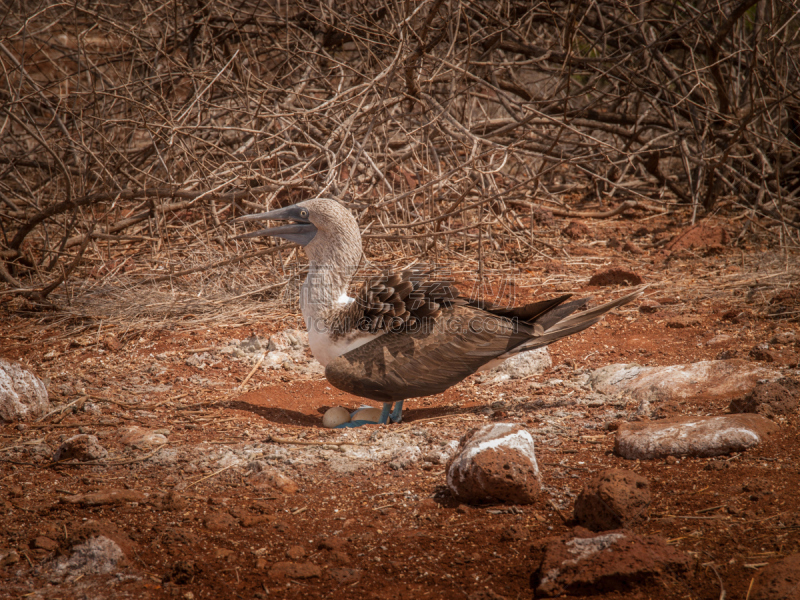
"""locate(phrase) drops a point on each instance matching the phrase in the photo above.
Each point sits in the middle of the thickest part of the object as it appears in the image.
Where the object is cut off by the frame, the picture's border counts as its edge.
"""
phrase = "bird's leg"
(384, 418)
(397, 413)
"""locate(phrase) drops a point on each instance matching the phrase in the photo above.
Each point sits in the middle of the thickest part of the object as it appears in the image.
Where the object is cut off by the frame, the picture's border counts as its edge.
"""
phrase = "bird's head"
(320, 225)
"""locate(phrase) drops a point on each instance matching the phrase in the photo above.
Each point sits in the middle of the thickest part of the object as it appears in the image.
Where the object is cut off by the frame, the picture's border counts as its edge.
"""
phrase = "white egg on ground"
(335, 416)
(367, 414)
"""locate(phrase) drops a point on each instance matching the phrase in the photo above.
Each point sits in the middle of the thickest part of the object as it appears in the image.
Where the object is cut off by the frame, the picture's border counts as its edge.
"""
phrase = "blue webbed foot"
(355, 424)
(397, 413)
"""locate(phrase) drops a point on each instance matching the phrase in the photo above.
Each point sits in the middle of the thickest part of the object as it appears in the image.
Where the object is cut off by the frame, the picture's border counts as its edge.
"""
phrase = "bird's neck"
(330, 270)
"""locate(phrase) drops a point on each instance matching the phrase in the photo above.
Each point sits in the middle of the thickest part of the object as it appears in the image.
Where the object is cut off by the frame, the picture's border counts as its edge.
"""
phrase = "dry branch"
(130, 140)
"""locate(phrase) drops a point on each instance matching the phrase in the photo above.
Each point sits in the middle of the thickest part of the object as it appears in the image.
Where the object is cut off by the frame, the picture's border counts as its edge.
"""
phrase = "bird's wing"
(428, 359)
(396, 301)
(437, 353)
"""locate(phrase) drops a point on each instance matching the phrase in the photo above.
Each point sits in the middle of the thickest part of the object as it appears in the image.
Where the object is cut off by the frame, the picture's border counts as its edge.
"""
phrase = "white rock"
(784, 337)
(23, 396)
(345, 465)
(495, 462)
(251, 345)
(199, 360)
(692, 436)
(405, 457)
(96, 556)
(141, 438)
(275, 360)
(227, 459)
(8, 557)
(719, 340)
(264, 475)
(289, 340)
(92, 408)
(603, 563)
(164, 457)
(314, 368)
(709, 379)
(524, 364)
(443, 454)
(81, 447)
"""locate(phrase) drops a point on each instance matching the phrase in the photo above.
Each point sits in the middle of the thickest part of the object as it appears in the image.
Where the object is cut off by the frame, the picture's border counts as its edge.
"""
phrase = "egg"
(335, 416)
(367, 414)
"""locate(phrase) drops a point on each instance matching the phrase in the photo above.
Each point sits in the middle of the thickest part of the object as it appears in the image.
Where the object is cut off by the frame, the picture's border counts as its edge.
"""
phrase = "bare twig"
(126, 155)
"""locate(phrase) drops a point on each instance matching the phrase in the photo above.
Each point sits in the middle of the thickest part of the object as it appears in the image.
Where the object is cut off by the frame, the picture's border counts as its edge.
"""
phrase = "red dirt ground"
(370, 531)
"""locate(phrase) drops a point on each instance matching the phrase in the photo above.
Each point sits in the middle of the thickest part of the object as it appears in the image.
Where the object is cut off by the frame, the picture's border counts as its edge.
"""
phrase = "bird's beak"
(302, 231)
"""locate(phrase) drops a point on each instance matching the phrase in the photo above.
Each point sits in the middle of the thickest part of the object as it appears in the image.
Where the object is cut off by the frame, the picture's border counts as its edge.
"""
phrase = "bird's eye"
(304, 213)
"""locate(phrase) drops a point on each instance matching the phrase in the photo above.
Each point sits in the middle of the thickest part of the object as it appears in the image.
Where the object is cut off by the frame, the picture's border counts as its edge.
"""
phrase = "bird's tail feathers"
(575, 323)
(554, 316)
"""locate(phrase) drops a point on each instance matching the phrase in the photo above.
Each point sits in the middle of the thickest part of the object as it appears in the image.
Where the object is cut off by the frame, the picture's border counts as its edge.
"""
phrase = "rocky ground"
(194, 464)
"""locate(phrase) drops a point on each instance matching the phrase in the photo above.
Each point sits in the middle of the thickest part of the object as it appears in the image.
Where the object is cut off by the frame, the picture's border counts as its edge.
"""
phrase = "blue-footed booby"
(404, 334)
